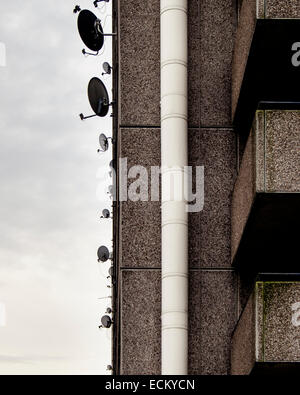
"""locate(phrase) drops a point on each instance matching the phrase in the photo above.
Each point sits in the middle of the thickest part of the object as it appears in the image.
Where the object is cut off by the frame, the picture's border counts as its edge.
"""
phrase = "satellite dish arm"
(108, 34)
(89, 53)
(82, 117)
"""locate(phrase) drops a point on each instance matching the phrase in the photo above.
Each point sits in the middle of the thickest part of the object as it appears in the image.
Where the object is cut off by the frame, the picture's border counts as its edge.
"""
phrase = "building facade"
(251, 178)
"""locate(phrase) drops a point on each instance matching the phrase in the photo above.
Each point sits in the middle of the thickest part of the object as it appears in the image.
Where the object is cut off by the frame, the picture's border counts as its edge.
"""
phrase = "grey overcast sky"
(50, 172)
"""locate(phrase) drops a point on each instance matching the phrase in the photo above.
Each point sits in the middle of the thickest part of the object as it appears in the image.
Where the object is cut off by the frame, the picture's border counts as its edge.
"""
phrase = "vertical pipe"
(174, 157)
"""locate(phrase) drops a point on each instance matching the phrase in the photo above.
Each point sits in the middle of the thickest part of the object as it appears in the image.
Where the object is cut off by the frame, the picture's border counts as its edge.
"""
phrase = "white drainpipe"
(174, 156)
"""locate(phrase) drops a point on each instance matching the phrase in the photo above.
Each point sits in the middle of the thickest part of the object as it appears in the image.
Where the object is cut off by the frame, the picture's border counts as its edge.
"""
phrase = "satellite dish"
(103, 254)
(105, 322)
(98, 97)
(105, 213)
(90, 30)
(103, 141)
(107, 68)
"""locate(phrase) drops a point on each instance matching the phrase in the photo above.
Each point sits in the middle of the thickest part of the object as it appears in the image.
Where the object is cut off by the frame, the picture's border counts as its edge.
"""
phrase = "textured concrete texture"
(209, 230)
(243, 195)
(269, 167)
(282, 152)
(281, 333)
(246, 286)
(140, 222)
(140, 234)
(193, 63)
(215, 149)
(217, 23)
(282, 8)
(212, 316)
(268, 329)
(244, 35)
(139, 59)
(140, 322)
(244, 341)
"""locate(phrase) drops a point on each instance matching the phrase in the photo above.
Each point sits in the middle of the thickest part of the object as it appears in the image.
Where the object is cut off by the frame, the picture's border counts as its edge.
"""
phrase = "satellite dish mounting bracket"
(98, 28)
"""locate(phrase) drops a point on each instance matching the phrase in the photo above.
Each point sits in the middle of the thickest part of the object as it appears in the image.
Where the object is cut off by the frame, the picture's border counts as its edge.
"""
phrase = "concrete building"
(244, 294)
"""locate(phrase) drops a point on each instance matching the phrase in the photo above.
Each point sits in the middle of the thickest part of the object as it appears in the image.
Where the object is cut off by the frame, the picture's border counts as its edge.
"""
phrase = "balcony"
(266, 339)
(266, 197)
(266, 61)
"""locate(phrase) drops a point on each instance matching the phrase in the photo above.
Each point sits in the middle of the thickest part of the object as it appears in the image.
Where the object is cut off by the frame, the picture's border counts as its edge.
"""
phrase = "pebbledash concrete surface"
(267, 337)
(236, 172)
